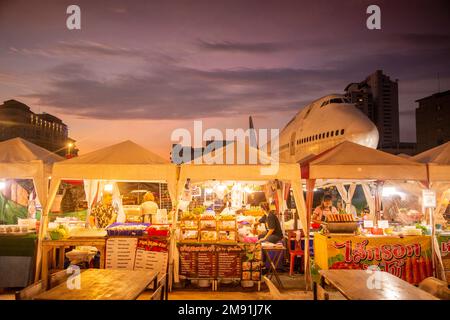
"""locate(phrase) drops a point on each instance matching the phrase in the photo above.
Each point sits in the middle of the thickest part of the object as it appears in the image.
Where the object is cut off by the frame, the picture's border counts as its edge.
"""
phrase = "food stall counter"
(407, 257)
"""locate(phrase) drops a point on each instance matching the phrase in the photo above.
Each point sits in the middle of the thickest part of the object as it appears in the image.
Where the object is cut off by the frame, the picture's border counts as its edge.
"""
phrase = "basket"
(55, 235)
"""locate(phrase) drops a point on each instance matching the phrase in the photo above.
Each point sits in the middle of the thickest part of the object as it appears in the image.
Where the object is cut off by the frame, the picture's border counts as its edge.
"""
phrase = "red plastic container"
(153, 230)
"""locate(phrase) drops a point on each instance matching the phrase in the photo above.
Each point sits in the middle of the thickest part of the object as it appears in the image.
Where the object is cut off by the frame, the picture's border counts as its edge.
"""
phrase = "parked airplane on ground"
(323, 124)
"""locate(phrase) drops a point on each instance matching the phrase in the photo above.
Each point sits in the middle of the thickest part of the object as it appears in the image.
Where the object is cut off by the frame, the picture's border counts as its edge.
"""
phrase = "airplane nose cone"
(364, 133)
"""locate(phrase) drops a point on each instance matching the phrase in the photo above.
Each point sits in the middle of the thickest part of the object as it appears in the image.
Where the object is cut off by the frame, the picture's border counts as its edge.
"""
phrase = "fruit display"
(227, 225)
(227, 217)
(198, 210)
(208, 224)
(59, 232)
(189, 224)
(340, 218)
(208, 216)
(253, 211)
(189, 216)
(208, 236)
(227, 236)
(189, 235)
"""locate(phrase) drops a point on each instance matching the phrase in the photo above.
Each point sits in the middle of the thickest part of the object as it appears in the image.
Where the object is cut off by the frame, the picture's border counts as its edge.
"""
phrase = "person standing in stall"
(274, 232)
(321, 212)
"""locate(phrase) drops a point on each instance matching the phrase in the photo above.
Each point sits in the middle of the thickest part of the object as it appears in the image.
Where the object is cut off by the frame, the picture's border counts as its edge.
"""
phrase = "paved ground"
(293, 289)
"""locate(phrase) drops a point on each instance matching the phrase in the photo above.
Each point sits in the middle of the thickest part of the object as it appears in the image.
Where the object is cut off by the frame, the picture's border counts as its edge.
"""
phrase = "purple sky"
(139, 69)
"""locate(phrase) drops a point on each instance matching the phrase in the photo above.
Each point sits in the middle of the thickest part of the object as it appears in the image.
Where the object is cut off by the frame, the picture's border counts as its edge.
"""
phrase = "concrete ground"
(293, 290)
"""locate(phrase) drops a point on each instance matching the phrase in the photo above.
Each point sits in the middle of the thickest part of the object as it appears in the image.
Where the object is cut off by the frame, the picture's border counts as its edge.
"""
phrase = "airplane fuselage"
(323, 124)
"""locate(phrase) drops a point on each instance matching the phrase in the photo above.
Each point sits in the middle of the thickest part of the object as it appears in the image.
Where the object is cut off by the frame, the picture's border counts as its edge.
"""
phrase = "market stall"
(130, 242)
(346, 241)
(215, 241)
(438, 180)
(20, 159)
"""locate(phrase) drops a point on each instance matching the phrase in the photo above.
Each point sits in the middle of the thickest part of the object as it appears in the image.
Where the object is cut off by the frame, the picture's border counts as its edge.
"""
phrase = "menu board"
(153, 245)
(206, 265)
(211, 261)
(188, 261)
(252, 262)
(229, 261)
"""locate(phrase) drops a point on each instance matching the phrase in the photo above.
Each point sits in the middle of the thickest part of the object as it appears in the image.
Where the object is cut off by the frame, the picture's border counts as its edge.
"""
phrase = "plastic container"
(127, 229)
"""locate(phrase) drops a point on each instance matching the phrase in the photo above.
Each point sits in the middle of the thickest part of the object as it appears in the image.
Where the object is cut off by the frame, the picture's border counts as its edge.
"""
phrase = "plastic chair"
(294, 252)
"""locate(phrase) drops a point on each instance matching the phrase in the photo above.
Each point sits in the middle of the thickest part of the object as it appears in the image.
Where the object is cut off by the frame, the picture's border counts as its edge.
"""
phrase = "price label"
(429, 198)
(368, 224)
(383, 224)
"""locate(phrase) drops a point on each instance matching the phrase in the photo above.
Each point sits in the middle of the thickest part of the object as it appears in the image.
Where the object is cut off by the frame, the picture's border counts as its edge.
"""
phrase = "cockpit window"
(336, 100)
(324, 103)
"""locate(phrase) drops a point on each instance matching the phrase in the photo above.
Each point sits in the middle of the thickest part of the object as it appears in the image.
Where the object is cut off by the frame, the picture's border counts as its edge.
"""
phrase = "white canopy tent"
(240, 162)
(350, 163)
(438, 162)
(21, 159)
(349, 160)
(438, 169)
(125, 161)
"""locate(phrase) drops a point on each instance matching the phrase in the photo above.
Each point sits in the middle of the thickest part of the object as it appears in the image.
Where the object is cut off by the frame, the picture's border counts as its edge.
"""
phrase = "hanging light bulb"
(108, 187)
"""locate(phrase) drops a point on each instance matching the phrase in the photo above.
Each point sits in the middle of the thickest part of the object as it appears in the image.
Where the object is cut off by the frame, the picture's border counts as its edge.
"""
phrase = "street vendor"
(103, 213)
(325, 208)
(273, 232)
(149, 207)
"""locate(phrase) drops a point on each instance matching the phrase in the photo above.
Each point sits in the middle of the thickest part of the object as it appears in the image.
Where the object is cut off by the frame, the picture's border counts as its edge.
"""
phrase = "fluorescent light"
(248, 190)
(221, 187)
(392, 191)
(208, 190)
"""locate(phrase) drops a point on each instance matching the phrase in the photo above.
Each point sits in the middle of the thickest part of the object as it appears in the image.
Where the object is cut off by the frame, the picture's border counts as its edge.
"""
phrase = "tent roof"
(349, 160)
(123, 161)
(437, 155)
(235, 153)
(438, 159)
(20, 150)
(21, 159)
(126, 152)
(245, 163)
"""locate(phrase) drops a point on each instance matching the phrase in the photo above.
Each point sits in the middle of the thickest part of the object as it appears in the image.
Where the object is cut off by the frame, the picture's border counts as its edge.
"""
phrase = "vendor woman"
(322, 211)
(103, 213)
(273, 227)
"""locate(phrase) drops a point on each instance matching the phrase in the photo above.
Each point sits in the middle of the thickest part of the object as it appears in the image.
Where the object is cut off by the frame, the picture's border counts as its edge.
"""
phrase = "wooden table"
(354, 285)
(104, 284)
(279, 252)
(50, 246)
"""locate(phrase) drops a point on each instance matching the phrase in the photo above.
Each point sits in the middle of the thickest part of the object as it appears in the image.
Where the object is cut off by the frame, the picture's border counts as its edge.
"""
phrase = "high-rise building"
(433, 120)
(377, 97)
(45, 130)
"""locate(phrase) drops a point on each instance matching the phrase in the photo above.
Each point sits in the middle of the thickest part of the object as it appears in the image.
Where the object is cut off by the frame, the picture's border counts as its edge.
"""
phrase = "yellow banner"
(408, 258)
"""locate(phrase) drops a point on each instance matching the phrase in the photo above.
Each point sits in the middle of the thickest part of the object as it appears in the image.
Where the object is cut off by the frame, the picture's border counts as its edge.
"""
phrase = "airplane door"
(292, 144)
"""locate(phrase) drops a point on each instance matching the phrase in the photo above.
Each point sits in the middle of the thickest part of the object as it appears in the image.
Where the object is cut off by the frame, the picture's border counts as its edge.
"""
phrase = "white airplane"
(323, 124)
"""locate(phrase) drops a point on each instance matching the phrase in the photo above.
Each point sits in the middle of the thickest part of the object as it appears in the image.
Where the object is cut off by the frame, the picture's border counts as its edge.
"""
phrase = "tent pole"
(310, 183)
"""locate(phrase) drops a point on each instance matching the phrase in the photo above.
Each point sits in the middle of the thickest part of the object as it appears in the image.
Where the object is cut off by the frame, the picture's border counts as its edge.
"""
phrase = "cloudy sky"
(140, 69)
